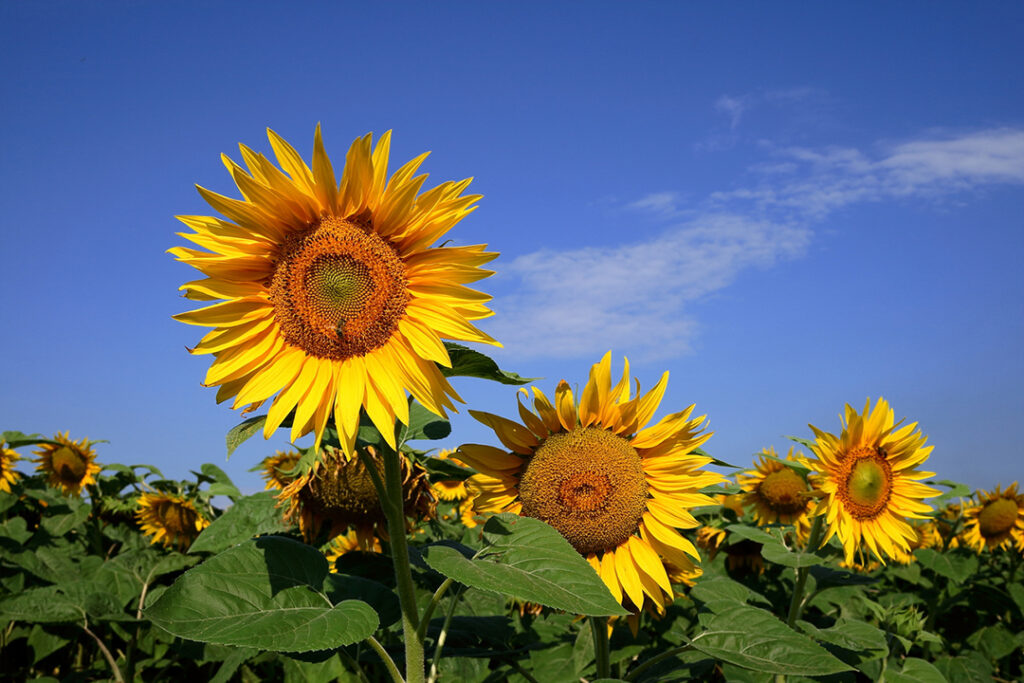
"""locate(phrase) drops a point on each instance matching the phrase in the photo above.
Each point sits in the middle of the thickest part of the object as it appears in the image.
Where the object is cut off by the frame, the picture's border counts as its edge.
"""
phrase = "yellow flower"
(870, 481)
(338, 493)
(450, 489)
(346, 543)
(68, 465)
(996, 521)
(170, 519)
(710, 539)
(332, 296)
(277, 469)
(777, 493)
(615, 488)
(8, 475)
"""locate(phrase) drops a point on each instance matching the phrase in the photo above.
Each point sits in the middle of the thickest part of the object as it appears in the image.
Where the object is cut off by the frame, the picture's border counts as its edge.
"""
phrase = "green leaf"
(242, 432)
(829, 576)
(854, 642)
(778, 554)
(752, 533)
(469, 363)
(995, 642)
(250, 516)
(958, 567)
(956, 490)
(16, 439)
(755, 639)
(444, 470)
(806, 443)
(222, 484)
(915, 671)
(15, 529)
(1017, 593)
(382, 599)
(61, 519)
(530, 561)
(265, 593)
(721, 589)
(44, 643)
(971, 667)
(423, 424)
(40, 605)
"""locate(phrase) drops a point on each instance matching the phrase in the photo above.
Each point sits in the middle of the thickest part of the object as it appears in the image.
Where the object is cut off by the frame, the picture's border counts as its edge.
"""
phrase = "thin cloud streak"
(634, 297)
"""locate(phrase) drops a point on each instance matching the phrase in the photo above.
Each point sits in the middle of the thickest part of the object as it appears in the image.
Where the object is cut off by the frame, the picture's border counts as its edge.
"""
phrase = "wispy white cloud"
(636, 297)
(733, 107)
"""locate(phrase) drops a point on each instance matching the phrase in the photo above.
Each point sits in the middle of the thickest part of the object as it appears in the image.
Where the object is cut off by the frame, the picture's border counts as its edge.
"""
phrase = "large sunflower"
(68, 465)
(871, 482)
(332, 296)
(616, 489)
(8, 475)
(777, 493)
(996, 521)
(170, 519)
(337, 495)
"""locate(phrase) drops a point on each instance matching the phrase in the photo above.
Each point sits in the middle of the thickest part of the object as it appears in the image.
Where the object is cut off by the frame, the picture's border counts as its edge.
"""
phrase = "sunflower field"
(593, 538)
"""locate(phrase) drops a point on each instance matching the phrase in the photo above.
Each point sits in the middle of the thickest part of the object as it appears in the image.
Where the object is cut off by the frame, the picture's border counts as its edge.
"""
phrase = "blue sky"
(789, 207)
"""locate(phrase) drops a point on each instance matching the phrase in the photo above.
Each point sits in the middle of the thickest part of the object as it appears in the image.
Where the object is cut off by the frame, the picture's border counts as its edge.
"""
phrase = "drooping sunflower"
(615, 488)
(777, 493)
(278, 469)
(8, 475)
(996, 520)
(872, 486)
(331, 295)
(172, 520)
(68, 465)
(337, 495)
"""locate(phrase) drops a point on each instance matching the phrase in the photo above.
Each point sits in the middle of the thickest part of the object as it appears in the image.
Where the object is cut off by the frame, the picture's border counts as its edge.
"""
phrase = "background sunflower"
(8, 475)
(777, 493)
(996, 520)
(172, 520)
(332, 296)
(869, 475)
(615, 488)
(68, 465)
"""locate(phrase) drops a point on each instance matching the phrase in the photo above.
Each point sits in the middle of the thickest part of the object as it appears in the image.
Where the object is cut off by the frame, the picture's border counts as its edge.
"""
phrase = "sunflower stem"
(442, 636)
(796, 603)
(403, 567)
(602, 650)
(434, 602)
(393, 671)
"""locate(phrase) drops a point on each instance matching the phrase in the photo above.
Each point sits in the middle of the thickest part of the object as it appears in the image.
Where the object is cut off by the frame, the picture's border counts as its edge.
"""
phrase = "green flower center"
(997, 518)
(866, 490)
(588, 484)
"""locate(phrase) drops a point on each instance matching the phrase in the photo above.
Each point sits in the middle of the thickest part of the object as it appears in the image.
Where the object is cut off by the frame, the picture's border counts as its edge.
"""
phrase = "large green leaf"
(958, 567)
(854, 642)
(915, 671)
(755, 639)
(251, 516)
(423, 424)
(265, 593)
(469, 363)
(776, 553)
(530, 561)
(40, 605)
(971, 667)
(60, 519)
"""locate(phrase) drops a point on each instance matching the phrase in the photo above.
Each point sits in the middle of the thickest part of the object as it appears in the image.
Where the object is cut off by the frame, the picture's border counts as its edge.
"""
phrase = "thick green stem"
(403, 567)
(796, 603)
(602, 649)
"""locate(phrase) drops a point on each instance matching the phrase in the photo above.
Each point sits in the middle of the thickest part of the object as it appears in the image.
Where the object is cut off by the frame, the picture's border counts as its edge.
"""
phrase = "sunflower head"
(449, 490)
(331, 297)
(996, 520)
(279, 469)
(614, 487)
(348, 542)
(8, 475)
(68, 465)
(869, 475)
(777, 493)
(171, 520)
(338, 493)
(709, 539)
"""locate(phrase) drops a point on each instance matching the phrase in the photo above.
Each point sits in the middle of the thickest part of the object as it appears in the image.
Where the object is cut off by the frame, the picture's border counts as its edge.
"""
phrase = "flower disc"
(338, 290)
(783, 490)
(868, 484)
(170, 519)
(996, 521)
(997, 518)
(68, 465)
(589, 484)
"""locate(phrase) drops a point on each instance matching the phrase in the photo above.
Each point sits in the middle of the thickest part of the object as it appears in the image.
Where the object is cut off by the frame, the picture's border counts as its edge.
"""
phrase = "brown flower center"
(69, 465)
(589, 485)
(176, 518)
(997, 518)
(783, 492)
(867, 486)
(338, 289)
(343, 493)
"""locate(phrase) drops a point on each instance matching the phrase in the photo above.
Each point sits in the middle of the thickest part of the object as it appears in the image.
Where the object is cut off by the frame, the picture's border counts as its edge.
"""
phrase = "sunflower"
(996, 521)
(278, 468)
(68, 465)
(8, 475)
(709, 538)
(170, 519)
(870, 481)
(331, 295)
(338, 494)
(346, 543)
(450, 490)
(616, 489)
(777, 493)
